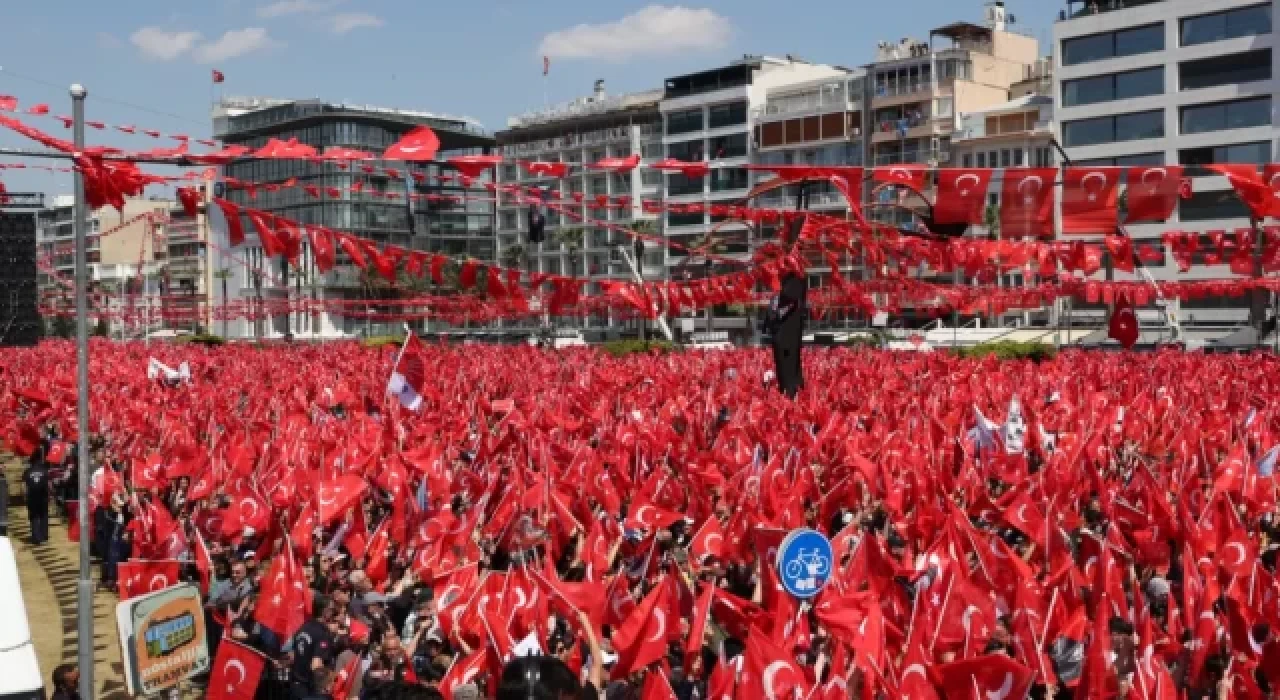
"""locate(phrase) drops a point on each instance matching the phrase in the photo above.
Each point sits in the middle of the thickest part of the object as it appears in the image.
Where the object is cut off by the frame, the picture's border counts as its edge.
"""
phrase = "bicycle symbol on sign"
(806, 567)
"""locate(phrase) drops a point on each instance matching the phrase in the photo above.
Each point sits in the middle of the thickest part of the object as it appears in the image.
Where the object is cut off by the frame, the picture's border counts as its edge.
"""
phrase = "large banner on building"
(162, 639)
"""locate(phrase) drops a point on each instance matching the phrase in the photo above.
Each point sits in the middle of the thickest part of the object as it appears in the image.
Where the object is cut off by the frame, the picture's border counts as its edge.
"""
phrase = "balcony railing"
(1087, 8)
(886, 90)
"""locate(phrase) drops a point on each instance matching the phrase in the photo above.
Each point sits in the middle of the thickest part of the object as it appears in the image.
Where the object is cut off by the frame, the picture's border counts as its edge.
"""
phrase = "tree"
(513, 255)
(102, 329)
(62, 327)
(991, 219)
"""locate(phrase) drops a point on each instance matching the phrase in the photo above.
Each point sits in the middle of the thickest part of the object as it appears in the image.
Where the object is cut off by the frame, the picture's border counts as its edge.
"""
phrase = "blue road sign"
(804, 562)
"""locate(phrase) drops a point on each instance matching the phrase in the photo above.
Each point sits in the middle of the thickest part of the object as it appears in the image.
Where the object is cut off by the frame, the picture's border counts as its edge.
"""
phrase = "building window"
(1123, 127)
(733, 146)
(684, 122)
(678, 184)
(688, 151)
(1207, 206)
(1232, 24)
(651, 150)
(723, 179)
(1118, 86)
(1017, 157)
(650, 178)
(1233, 69)
(1097, 47)
(982, 160)
(727, 115)
(1004, 158)
(684, 219)
(1240, 114)
(1254, 152)
(966, 161)
(1122, 161)
(993, 158)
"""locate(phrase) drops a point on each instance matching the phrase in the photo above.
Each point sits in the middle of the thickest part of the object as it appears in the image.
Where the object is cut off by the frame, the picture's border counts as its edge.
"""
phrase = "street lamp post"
(84, 592)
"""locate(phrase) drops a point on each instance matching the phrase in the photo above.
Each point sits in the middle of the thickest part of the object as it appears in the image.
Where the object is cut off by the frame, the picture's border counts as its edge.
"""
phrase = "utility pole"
(84, 590)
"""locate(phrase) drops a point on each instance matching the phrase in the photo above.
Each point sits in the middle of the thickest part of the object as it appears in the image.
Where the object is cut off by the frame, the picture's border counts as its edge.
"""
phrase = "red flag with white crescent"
(236, 672)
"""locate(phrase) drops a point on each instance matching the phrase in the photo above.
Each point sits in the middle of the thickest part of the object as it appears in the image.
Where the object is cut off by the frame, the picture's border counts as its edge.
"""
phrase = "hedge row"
(622, 348)
(1009, 350)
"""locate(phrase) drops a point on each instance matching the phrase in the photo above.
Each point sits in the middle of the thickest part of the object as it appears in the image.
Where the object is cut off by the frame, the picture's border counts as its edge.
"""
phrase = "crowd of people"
(563, 524)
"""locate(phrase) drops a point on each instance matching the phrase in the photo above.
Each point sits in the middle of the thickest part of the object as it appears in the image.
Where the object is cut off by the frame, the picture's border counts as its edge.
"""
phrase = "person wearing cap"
(312, 647)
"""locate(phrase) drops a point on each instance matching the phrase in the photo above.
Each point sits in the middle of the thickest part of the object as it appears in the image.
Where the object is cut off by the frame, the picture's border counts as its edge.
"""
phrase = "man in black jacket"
(36, 481)
(785, 323)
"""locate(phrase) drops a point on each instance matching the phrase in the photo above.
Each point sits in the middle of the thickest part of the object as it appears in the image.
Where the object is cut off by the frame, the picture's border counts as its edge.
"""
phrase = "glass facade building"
(461, 228)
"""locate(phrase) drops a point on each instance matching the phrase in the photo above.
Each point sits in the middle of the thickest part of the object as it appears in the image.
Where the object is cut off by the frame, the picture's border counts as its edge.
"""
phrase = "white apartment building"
(579, 133)
(1172, 82)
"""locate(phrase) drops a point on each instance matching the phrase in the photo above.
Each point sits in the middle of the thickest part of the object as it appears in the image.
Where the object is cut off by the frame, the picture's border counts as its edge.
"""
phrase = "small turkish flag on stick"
(218, 76)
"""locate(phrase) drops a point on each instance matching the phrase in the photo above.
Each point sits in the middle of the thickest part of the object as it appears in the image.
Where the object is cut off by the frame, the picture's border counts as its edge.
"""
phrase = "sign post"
(805, 560)
(162, 639)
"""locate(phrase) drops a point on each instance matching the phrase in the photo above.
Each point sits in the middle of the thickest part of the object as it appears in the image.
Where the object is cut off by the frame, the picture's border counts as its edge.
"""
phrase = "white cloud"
(292, 7)
(348, 21)
(235, 42)
(655, 29)
(158, 44)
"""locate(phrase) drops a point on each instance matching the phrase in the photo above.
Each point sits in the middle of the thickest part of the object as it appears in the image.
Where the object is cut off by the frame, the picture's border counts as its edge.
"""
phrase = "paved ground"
(48, 574)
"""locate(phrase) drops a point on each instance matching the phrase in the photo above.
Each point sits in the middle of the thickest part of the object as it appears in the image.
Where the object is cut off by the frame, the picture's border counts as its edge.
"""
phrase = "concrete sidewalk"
(48, 574)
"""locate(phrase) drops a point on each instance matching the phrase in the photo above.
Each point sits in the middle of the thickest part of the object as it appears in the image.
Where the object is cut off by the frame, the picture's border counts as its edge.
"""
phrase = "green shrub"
(872, 340)
(622, 348)
(1009, 350)
(381, 341)
(201, 339)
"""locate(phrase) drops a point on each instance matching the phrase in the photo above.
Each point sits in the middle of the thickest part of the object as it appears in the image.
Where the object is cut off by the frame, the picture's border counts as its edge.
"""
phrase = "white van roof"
(19, 669)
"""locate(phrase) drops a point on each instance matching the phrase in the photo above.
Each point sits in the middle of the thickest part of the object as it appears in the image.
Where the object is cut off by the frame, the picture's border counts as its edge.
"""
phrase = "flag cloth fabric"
(962, 195)
(1089, 200)
(1123, 326)
(1152, 193)
(218, 77)
(546, 65)
(1026, 202)
(236, 672)
(409, 376)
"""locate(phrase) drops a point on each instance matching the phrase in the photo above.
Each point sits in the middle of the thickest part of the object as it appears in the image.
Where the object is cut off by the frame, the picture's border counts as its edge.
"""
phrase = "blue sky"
(148, 63)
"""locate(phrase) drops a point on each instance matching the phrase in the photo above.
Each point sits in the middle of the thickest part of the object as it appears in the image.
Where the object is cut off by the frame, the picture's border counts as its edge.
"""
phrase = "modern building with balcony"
(188, 301)
(461, 229)
(1173, 82)
(578, 133)
(919, 88)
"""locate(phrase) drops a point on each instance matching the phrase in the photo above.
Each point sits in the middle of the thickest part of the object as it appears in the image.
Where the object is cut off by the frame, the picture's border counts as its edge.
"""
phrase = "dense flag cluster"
(1100, 524)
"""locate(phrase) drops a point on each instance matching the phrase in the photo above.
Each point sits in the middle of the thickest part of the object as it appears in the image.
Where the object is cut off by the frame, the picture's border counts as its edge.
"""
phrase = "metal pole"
(84, 597)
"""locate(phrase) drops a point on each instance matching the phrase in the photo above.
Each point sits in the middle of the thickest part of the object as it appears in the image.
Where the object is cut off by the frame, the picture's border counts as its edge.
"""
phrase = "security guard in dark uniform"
(36, 480)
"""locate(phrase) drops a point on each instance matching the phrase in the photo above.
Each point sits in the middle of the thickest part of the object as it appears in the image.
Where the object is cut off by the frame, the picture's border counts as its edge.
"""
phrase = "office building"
(578, 133)
(461, 229)
(127, 267)
(187, 303)
(1172, 82)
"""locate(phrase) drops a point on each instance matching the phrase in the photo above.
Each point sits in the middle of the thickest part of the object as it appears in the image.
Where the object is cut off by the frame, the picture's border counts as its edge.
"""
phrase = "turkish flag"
(285, 599)
(473, 166)
(462, 671)
(419, 144)
(236, 672)
(617, 165)
(265, 223)
(656, 687)
(1152, 192)
(142, 577)
(1123, 326)
(641, 639)
(1256, 194)
(769, 672)
(545, 169)
(351, 247)
(218, 77)
(322, 247)
(1089, 200)
(190, 198)
(962, 195)
(231, 213)
(709, 540)
(57, 452)
(338, 496)
(912, 176)
(1026, 202)
(991, 677)
(1121, 249)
